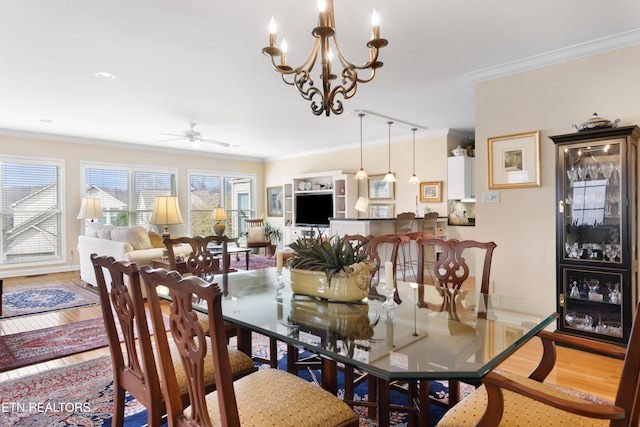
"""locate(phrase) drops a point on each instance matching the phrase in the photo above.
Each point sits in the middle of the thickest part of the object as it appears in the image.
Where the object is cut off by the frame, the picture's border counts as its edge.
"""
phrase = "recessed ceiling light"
(105, 75)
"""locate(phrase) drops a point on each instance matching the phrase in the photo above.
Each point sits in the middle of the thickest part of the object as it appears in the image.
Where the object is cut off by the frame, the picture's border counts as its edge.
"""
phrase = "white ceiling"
(180, 61)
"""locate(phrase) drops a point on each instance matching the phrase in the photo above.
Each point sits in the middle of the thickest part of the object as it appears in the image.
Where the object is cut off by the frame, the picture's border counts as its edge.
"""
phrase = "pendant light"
(389, 177)
(414, 179)
(361, 174)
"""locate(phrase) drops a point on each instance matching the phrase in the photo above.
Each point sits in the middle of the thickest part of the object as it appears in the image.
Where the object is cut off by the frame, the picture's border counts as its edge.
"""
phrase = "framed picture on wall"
(382, 210)
(514, 160)
(274, 201)
(380, 190)
(431, 191)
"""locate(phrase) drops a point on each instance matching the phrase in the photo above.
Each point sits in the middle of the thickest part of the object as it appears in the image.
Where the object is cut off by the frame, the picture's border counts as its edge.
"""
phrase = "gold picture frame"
(274, 201)
(380, 190)
(514, 160)
(431, 191)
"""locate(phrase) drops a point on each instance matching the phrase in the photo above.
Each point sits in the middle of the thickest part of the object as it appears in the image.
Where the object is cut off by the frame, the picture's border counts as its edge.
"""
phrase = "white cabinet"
(461, 182)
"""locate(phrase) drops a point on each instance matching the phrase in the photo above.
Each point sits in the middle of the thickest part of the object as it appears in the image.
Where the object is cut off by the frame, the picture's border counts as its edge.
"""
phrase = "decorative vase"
(345, 287)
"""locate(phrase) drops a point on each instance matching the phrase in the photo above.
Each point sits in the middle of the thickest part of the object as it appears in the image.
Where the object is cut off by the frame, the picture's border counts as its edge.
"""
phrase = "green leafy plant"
(274, 232)
(331, 256)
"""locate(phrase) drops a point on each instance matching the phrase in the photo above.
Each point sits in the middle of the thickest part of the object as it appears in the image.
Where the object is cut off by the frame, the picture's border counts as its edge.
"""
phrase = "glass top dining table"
(417, 340)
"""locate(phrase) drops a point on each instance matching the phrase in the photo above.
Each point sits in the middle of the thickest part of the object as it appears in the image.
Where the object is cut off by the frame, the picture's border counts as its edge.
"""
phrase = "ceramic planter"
(345, 287)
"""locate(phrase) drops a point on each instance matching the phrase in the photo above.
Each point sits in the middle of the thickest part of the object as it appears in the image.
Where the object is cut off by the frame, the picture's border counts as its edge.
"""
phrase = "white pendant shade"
(362, 204)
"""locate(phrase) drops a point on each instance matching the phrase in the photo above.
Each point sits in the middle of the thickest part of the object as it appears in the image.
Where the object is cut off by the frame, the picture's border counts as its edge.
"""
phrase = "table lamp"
(166, 211)
(90, 209)
(219, 215)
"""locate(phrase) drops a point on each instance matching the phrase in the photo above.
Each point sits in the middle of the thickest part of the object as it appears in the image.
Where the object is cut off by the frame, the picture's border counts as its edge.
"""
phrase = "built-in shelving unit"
(310, 199)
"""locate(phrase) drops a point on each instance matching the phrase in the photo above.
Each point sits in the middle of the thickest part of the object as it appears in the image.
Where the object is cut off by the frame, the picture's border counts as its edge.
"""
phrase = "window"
(209, 190)
(127, 194)
(32, 195)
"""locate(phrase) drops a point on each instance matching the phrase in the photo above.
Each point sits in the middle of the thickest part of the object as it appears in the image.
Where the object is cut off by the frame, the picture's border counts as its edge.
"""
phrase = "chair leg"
(118, 405)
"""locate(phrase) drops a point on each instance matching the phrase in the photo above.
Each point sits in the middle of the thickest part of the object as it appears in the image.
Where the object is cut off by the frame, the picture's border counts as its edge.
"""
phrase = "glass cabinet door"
(591, 202)
(592, 302)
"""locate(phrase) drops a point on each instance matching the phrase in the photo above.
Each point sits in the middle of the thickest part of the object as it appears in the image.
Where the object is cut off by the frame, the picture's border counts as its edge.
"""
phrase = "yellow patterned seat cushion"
(518, 410)
(240, 362)
(271, 397)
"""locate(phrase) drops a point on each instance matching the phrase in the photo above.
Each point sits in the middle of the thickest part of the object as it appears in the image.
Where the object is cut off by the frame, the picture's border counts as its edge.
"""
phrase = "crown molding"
(604, 44)
(126, 145)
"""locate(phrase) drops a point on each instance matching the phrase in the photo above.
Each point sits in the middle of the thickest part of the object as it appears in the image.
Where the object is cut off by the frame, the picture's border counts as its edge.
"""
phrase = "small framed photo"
(382, 210)
(431, 191)
(274, 201)
(380, 190)
(514, 160)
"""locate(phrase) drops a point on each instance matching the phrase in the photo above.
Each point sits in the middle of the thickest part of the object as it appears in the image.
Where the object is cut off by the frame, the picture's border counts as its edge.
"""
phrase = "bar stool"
(404, 227)
(429, 223)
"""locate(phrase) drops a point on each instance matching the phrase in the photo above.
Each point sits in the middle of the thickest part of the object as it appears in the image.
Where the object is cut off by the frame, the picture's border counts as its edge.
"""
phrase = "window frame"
(223, 175)
(132, 211)
(61, 256)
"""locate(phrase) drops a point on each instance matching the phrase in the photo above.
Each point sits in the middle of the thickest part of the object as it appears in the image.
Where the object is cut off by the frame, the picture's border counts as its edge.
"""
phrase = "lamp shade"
(166, 211)
(362, 204)
(90, 209)
(219, 214)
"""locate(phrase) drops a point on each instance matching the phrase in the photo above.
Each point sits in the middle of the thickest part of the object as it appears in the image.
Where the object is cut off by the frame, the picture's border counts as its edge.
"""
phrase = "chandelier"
(326, 99)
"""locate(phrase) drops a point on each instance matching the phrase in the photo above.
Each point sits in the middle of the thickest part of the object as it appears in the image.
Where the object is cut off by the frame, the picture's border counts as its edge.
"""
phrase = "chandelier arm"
(346, 63)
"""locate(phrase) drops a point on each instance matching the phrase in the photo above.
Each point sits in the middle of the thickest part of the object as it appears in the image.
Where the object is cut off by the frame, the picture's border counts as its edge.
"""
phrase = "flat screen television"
(314, 209)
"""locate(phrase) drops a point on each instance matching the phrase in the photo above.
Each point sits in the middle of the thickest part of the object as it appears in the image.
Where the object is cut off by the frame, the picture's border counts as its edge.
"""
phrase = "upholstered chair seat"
(298, 403)
(519, 410)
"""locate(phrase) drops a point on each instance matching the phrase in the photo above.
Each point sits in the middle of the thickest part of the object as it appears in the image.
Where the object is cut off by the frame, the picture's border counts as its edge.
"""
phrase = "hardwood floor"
(586, 372)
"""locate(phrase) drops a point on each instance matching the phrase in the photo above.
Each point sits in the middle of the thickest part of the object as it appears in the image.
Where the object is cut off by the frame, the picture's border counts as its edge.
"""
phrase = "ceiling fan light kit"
(327, 100)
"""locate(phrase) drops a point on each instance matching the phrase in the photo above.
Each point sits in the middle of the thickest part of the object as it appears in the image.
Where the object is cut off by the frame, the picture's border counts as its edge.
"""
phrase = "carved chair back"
(134, 370)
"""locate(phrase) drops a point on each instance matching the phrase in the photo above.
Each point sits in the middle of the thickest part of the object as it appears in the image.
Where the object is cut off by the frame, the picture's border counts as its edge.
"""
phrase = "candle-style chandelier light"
(326, 99)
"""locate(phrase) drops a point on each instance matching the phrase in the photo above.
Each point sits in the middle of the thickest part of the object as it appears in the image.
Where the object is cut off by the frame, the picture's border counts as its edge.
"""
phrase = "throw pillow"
(256, 235)
(92, 229)
(134, 235)
(156, 240)
(104, 231)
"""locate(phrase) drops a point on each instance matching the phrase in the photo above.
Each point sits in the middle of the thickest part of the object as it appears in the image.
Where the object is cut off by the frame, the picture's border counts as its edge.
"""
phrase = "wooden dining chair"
(380, 250)
(516, 400)
(266, 397)
(451, 270)
(135, 366)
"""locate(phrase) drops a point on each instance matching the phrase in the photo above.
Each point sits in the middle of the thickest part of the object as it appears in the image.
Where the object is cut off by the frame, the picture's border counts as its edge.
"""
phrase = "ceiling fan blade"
(213, 141)
(172, 134)
(172, 139)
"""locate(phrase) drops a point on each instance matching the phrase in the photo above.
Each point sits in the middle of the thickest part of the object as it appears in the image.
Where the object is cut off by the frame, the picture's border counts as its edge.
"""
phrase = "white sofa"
(133, 244)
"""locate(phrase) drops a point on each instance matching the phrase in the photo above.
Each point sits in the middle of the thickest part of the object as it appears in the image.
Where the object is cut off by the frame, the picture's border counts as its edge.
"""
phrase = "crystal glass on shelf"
(607, 169)
(572, 174)
(594, 285)
(592, 171)
(582, 173)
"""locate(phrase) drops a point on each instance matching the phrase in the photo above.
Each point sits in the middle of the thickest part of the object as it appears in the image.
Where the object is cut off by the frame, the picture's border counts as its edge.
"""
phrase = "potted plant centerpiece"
(332, 269)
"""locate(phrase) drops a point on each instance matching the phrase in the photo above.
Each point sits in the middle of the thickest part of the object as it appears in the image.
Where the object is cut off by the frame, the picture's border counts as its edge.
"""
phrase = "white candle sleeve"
(279, 261)
(388, 272)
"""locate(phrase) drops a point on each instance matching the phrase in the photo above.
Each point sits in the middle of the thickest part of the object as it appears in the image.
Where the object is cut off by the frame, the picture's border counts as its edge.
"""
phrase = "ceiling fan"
(194, 137)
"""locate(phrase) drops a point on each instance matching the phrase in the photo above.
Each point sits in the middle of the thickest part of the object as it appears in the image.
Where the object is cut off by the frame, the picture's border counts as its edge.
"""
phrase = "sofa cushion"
(156, 240)
(92, 229)
(104, 231)
(256, 235)
(134, 235)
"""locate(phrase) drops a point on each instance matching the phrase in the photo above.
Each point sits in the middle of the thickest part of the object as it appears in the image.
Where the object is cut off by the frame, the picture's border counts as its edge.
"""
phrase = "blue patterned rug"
(44, 298)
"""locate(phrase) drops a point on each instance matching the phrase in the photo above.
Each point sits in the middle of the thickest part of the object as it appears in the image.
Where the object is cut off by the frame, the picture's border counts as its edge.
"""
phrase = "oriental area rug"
(44, 298)
(41, 345)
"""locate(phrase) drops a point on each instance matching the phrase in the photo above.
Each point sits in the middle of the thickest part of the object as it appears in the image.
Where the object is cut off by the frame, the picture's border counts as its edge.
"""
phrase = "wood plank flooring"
(577, 370)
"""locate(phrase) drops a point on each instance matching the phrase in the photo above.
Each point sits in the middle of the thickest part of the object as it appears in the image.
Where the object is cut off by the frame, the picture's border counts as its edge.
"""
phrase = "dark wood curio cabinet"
(597, 232)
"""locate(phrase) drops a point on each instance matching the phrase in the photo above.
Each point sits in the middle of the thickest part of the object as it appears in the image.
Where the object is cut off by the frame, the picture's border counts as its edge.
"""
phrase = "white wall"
(73, 154)
(549, 99)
